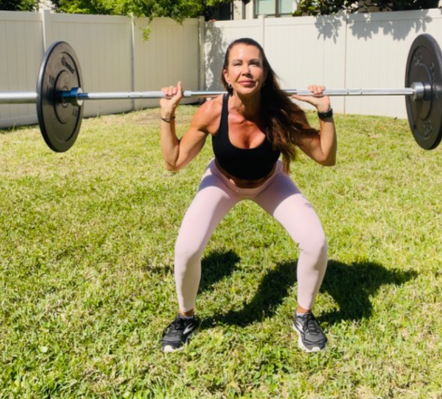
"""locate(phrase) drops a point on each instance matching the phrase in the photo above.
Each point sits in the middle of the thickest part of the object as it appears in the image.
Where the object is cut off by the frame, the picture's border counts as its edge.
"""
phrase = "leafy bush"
(18, 5)
(323, 7)
(177, 10)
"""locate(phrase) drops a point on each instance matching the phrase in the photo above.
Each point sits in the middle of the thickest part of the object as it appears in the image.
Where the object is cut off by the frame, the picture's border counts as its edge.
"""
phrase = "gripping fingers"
(174, 94)
(170, 91)
(317, 98)
(316, 89)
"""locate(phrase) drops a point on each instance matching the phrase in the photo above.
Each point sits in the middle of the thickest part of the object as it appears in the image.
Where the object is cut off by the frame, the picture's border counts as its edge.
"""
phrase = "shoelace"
(178, 324)
(310, 323)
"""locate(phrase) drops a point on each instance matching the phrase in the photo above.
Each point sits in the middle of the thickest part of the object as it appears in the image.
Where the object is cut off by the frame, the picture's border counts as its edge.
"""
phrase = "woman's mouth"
(247, 83)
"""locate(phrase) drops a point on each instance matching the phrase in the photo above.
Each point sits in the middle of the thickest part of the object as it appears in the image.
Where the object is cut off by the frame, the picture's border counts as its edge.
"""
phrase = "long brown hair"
(286, 122)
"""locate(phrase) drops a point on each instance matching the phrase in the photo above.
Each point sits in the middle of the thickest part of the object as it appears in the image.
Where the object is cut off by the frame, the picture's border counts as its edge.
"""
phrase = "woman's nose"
(245, 69)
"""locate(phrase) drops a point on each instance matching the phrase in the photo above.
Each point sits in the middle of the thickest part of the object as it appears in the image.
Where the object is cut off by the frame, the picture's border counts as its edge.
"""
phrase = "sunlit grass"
(86, 271)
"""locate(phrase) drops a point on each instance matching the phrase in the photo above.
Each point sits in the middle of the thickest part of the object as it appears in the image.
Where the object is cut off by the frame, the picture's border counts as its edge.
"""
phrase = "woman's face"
(245, 70)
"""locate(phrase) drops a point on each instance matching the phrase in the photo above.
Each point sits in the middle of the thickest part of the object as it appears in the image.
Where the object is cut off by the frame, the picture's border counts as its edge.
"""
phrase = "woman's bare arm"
(179, 152)
(323, 147)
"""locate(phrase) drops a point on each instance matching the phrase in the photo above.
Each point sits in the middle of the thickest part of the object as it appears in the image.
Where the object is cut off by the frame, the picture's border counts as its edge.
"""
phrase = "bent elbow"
(170, 167)
(330, 161)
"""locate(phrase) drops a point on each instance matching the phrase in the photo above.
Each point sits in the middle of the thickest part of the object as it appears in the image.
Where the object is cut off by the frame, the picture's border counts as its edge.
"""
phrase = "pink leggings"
(280, 198)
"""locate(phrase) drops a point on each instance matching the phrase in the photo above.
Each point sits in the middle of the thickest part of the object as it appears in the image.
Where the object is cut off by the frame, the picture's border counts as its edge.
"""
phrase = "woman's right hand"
(174, 95)
(317, 99)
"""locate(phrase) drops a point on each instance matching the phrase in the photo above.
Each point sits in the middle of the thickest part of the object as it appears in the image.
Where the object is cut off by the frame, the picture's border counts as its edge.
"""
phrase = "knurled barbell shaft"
(189, 94)
(76, 95)
(207, 94)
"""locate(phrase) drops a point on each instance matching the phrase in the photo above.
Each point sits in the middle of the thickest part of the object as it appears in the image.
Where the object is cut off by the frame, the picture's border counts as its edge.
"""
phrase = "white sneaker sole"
(170, 349)
(303, 347)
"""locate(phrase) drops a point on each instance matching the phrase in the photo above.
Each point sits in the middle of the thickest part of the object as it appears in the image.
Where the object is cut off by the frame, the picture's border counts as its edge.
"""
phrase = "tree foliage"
(324, 7)
(175, 9)
(18, 5)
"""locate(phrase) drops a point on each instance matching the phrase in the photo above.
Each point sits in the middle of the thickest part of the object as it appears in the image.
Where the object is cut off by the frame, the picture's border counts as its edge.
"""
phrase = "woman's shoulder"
(211, 107)
(208, 115)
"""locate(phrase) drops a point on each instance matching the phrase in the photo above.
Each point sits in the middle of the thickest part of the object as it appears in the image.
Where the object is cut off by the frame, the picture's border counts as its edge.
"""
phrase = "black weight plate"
(424, 64)
(59, 121)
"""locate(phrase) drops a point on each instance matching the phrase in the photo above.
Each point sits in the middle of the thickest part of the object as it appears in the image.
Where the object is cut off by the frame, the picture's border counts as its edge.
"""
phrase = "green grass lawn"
(87, 287)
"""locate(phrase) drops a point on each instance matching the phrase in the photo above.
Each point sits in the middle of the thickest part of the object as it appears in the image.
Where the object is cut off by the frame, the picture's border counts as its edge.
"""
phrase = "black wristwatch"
(324, 115)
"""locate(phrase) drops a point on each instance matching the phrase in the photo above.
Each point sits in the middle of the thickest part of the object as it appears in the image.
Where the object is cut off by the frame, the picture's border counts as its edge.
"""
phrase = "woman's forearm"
(329, 143)
(169, 141)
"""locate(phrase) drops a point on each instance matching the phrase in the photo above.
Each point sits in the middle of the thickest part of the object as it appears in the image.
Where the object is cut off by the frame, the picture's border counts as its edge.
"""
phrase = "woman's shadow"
(350, 285)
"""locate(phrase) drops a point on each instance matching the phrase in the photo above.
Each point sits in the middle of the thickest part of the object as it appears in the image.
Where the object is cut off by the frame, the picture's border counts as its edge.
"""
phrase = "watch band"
(324, 115)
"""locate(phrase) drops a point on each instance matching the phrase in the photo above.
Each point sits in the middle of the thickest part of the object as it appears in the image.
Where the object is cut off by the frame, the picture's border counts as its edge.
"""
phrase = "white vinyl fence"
(343, 51)
(112, 54)
(356, 50)
(21, 52)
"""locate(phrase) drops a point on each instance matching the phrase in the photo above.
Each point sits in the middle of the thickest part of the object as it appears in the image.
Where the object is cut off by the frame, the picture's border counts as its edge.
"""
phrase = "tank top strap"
(224, 123)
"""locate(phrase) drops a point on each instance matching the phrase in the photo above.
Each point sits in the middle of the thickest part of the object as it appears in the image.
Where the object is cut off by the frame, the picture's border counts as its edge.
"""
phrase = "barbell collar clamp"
(420, 91)
(72, 96)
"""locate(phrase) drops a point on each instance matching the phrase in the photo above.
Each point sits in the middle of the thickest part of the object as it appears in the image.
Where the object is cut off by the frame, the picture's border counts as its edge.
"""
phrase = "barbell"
(59, 97)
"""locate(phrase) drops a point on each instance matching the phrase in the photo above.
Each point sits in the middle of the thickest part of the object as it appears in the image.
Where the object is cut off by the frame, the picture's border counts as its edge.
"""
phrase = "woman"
(251, 127)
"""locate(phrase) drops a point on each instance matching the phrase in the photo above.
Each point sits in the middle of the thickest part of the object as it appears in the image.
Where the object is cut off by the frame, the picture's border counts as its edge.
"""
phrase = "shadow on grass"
(216, 266)
(350, 285)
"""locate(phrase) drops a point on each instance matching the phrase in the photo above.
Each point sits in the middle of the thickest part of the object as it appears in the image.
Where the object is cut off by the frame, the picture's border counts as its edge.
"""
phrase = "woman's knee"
(188, 251)
(315, 245)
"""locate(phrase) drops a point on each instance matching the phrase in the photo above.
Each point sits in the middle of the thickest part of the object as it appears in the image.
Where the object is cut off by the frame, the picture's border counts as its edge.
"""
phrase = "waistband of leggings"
(250, 191)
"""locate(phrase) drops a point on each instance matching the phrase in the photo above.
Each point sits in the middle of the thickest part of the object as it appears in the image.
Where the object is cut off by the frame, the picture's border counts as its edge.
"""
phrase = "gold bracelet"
(168, 120)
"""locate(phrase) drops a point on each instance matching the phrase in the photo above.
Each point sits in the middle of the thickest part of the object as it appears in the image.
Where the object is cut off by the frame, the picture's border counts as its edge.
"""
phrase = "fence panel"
(171, 53)
(21, 46)
(377, 51)
(306, 51)
(103, 45)
(356, 50)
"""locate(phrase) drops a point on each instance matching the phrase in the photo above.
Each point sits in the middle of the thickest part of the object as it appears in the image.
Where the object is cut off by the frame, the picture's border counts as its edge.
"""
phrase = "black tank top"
(243, 163)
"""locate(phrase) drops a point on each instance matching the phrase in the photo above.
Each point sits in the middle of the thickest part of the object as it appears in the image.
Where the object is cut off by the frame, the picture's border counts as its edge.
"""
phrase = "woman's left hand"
(321, 102)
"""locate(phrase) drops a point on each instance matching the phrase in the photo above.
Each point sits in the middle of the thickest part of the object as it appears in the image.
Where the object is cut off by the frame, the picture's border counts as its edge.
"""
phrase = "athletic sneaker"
(178, 333)
(311, 337)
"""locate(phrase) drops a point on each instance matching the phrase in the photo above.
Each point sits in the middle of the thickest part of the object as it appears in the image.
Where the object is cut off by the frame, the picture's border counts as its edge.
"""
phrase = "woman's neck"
(248, 106)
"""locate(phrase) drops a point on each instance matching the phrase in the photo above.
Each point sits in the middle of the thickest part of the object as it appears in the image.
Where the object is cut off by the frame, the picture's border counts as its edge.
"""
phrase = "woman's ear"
(226, 76)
